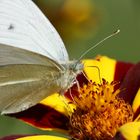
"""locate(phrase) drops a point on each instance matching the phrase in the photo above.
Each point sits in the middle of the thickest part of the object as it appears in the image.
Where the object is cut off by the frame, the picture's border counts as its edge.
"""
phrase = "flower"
(97, 110)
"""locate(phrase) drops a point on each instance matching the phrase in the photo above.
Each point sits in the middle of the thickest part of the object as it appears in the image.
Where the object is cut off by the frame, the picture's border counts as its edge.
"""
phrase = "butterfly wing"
(13, 55)
(23, 25)
(25, 78)
(24, 85)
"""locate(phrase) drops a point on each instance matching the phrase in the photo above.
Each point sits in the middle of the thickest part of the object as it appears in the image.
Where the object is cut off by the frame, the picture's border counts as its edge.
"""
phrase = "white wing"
(23, 25)
(12, 55)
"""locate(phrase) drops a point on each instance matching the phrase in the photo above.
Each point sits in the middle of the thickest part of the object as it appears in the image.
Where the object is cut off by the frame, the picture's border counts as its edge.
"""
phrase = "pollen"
(99, 112)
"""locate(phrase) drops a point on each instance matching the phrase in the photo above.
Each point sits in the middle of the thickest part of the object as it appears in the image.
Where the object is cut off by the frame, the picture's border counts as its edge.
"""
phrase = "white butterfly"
(33, 60)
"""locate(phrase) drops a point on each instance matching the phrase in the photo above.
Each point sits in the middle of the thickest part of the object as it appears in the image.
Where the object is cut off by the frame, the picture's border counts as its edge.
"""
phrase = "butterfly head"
(75, 67)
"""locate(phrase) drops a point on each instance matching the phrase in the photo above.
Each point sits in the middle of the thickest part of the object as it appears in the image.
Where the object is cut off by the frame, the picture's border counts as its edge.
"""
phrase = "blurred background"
(81, 24)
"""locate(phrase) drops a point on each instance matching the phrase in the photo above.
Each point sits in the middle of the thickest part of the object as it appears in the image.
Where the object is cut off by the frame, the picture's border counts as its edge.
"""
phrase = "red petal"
(43, 117)
(136, 113)
(118, 136)
(131, 84)
(121, 70)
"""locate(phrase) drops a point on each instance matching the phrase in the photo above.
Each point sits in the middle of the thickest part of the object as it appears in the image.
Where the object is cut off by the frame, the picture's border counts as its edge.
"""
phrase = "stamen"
(99, 112)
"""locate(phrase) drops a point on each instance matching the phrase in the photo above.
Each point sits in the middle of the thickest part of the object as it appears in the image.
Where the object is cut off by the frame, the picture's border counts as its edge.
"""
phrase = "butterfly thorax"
(68, 78)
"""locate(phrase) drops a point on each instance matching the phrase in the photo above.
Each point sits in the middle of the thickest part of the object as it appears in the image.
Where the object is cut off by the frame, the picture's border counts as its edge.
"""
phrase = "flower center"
(99, 112)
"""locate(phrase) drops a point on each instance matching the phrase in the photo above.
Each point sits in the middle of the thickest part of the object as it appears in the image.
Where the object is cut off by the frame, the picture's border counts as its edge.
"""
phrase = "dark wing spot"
(11, 27)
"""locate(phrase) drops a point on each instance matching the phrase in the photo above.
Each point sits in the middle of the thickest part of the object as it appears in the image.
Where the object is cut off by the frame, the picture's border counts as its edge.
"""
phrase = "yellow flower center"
(99, 112)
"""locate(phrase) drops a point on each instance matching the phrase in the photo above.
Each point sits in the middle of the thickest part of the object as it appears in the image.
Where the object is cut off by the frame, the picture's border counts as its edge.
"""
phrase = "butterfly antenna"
(96, 45)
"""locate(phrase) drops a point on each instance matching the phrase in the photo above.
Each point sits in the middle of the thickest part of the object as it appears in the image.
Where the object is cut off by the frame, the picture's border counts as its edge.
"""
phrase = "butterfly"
(34, 62)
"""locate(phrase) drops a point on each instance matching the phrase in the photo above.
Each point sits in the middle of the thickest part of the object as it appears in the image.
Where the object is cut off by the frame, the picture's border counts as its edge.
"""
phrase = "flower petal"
(129, 131)
(101, 67)
(57, 102)
(43, 137)
(43, 117)
(107, 68)
(131, 84)
(136, 106)
(33, 137)
(121, 70)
